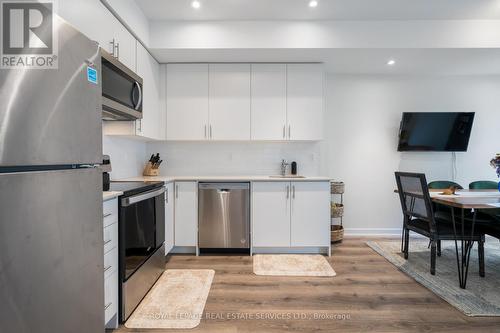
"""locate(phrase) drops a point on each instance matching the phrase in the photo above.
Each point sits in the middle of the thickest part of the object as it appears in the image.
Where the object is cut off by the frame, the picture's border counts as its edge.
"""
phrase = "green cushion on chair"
(442, 184)
(483, 185)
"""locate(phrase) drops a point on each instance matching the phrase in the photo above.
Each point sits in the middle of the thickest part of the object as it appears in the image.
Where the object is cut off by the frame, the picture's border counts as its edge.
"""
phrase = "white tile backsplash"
(127, 156)
(235, 158)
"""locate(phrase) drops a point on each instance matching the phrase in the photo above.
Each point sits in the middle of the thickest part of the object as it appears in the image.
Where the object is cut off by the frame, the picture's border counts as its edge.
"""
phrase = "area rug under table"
(177, 300)
(482, 296)
(292, 265)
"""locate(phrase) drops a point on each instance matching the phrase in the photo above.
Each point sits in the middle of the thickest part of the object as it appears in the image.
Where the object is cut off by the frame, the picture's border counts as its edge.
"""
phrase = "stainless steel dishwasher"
(223, 216)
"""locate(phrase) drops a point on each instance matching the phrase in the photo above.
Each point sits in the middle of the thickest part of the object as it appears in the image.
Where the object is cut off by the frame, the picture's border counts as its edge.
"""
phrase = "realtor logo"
(28, 35)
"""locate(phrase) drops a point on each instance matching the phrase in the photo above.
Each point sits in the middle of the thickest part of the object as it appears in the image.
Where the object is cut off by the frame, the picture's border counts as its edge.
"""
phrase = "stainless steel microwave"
(121, 90)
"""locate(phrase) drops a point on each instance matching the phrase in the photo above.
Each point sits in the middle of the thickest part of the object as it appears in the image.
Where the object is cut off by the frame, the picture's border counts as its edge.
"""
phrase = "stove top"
(131, 188)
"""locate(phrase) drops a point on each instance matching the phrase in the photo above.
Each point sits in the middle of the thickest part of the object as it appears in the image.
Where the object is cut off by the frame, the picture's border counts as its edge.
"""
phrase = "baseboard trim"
(291, 250)
(370, 232)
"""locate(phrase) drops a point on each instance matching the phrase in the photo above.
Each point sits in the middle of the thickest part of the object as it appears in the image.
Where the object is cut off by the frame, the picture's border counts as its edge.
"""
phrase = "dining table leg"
(463, 255)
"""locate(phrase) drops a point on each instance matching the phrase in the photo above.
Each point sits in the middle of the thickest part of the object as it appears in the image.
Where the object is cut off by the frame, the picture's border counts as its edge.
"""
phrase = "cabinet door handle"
(112, 44)
(107, 306)
(210, 131)
(117, 46)
(293, 191)
(284, 131)
(107, 242)
(289, 131)
(205, 131)
(288, 191)
(107, 269)
(106, 215)
(177, 191)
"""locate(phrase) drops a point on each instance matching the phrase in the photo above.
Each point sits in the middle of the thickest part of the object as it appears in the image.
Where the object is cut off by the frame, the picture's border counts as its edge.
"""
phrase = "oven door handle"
(141, 197)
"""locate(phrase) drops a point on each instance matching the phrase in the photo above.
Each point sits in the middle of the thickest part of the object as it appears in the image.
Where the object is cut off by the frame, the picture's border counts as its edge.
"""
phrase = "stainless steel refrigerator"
(51, 233)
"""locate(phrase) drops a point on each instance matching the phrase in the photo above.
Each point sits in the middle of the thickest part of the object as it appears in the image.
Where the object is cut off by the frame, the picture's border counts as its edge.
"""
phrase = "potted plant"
(495, 163)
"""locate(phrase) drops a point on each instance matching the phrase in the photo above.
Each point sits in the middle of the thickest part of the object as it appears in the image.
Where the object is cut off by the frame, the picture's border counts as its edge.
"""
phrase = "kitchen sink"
(287, 176)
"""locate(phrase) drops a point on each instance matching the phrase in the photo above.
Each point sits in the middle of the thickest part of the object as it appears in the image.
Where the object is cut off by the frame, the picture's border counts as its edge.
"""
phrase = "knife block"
(150, 171)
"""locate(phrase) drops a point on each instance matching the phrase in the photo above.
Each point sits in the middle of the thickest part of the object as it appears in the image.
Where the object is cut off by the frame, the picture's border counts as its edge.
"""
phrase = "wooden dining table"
(470, 201)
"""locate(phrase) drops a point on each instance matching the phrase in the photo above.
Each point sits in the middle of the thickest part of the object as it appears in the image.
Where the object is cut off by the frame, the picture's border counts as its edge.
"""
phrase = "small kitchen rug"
(292, 265)
(177, 300)
(482, 295)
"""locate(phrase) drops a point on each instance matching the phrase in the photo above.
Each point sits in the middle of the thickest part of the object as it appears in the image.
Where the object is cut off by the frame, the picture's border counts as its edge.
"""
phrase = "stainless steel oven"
(121, 90)
(141, 228)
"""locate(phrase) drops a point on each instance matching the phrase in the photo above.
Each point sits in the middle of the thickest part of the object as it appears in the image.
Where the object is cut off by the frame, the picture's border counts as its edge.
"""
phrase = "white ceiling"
(326, 9)
(355, 61)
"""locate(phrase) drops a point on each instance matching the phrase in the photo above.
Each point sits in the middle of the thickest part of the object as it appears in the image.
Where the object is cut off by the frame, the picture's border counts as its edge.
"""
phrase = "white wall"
(363, 115)
(127, 156)
(235, 158)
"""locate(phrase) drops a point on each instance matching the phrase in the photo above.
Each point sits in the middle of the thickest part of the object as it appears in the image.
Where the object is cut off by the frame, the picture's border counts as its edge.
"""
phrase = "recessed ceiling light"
(313, 3)
(195, 4)
(391, 62)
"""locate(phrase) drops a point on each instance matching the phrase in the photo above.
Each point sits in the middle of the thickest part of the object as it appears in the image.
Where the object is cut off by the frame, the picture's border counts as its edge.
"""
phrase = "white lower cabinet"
(291, 214)
(169, 217)
(310, 214)
(110, 241)
(186, 213)
(271, 214)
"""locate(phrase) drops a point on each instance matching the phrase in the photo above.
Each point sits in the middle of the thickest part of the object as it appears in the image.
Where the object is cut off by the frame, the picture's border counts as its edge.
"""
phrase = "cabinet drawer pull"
(107, 268)
(176, 191)
(284, 131)
(293, 191)
(106, 215)
(289, 131)
(288, 191)
(107, 242)
(107, 306)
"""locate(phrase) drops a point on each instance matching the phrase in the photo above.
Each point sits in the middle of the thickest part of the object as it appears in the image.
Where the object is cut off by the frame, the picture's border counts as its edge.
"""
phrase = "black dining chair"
(439, 210)
(488, 219)
(419, 217)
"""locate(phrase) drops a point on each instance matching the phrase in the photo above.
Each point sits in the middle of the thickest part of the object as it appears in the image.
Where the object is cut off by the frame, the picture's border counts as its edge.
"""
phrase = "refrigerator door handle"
(89, 166)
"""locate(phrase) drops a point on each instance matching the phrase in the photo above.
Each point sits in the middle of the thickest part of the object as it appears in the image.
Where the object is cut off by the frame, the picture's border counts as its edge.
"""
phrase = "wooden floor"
(367, 295)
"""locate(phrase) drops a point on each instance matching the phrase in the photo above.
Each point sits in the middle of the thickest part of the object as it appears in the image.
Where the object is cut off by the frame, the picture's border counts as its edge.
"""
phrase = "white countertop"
(168, 179)
(107, 195)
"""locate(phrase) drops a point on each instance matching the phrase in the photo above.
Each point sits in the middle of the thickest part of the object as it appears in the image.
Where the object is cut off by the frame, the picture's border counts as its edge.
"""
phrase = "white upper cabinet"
(305, 101)
(275, 102)
(229, 101)
(187, 101)
(124, 45)
(268, 82)
(93, 19)
(150, 125)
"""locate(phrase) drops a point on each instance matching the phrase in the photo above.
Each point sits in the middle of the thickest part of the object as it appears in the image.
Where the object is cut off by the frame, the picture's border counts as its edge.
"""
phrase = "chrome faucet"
(284, 164)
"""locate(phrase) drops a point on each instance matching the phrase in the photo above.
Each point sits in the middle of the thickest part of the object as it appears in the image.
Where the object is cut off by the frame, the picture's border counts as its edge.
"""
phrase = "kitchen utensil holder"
(150, 171)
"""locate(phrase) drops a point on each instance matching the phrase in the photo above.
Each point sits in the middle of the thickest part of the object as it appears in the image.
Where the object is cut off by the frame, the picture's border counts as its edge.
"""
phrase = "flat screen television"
(435, 131)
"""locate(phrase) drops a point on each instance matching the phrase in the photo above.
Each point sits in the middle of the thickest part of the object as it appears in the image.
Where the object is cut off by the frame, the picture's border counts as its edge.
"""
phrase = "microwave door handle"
(139, 100)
